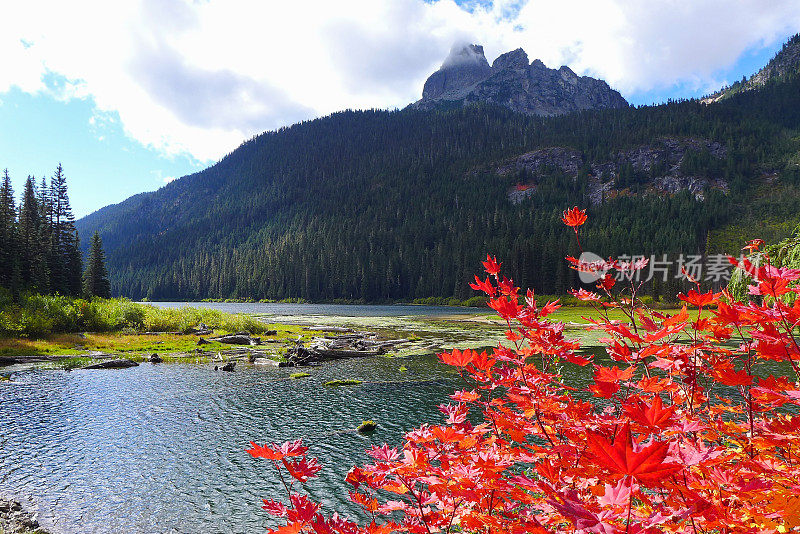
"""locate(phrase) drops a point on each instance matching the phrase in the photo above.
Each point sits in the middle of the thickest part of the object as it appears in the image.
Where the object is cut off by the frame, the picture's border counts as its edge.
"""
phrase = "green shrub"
(38, 315)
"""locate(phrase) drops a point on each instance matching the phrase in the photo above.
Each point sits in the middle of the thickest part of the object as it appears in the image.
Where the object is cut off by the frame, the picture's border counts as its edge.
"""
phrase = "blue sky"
(103, 165)
(163, 88)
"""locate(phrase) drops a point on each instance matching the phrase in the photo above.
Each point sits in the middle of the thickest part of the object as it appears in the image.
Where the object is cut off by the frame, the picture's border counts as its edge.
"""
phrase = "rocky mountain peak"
(465, 54)
(463, 67)
(511, 81)
(516, 59)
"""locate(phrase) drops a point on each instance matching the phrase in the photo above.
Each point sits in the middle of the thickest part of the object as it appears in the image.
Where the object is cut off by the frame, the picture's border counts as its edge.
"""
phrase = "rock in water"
(14, 518)
(155, 358)
(465, 77)
(367, 426)
(112, 364)
(229, 367)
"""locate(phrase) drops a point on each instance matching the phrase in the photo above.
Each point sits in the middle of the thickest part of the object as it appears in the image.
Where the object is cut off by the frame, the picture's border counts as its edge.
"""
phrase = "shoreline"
(16, 519)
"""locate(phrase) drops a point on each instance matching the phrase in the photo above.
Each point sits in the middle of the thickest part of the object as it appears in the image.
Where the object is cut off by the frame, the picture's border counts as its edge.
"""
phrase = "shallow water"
(160, 448)
(287, 309)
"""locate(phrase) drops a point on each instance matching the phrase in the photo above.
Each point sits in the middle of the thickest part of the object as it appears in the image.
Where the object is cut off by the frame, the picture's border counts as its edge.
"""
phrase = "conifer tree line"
(39, 244)
(391, 205)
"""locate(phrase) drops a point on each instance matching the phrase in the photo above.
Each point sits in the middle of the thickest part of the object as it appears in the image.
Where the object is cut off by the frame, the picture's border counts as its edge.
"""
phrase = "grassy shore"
(37, 316)
(81, 332)
(80, 349)
(66, 332)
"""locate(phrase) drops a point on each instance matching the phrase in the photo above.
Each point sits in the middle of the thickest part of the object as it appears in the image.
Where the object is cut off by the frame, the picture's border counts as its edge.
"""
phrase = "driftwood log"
(352, 345)
(112, 364)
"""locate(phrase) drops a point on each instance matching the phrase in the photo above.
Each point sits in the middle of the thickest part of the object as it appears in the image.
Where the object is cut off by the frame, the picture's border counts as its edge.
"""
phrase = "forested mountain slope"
(380, 205)
(786, 63)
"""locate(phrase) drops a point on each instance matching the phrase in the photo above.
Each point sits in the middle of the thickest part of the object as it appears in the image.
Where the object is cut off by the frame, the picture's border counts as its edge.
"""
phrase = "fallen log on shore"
(353, 345)
(112, 364)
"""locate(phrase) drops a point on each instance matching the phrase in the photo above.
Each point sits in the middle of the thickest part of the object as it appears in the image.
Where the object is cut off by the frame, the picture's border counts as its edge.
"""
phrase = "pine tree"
(74, 266)
(33, 241)
(64, 278)
(8, 231)
(46, 232)
(95, 279)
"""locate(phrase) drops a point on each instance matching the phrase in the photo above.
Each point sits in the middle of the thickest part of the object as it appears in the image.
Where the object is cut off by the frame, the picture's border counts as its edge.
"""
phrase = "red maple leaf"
(604, 389)
(507, 308)
(264, 451)
(612, 374)
(457, 358)
(302, 509)
(574, 217)
(491, 265)
(485, 286)
(275, 508)
(728, 375)
(645, 464)
(699, 299)
(654, 415)
(303, 469)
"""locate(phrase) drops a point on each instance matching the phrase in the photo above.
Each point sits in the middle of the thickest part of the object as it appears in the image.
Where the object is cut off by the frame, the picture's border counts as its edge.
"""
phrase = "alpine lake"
(160, 448)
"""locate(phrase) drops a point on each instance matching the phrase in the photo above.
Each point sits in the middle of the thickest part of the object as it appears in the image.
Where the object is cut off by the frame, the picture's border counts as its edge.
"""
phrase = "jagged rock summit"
(511, 81)
(785, 63)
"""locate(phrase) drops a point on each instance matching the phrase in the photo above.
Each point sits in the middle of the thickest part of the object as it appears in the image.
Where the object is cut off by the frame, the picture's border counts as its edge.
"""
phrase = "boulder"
(155, 358)
(367, 426)
(240, 338)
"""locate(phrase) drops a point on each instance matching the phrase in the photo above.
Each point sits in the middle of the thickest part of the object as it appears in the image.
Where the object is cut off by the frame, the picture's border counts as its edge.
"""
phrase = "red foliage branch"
(685, 432)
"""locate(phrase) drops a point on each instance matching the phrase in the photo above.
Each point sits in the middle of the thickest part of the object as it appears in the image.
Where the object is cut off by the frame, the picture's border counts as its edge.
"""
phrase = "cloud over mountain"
(198, 77)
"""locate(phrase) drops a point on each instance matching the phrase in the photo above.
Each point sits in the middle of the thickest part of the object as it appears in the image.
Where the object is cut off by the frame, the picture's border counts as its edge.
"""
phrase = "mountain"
(785, 63)
(465, 77)
(387, 205)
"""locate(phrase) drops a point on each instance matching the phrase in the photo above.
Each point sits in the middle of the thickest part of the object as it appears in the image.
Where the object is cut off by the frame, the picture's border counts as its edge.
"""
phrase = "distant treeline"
(388, 206)
(39, 246)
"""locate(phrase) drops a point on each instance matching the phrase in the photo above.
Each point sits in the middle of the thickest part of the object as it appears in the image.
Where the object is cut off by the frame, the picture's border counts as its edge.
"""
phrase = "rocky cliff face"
(466, 77)
(785, 63)
(656, 168)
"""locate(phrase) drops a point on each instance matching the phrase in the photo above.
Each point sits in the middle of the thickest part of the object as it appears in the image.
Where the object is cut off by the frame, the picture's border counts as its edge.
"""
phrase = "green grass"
(76, 348)
(36, 316)
(346, 382)
(77, 345)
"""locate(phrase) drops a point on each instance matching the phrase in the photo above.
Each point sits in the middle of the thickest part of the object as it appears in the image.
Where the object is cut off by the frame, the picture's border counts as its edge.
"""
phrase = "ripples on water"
(160, 448)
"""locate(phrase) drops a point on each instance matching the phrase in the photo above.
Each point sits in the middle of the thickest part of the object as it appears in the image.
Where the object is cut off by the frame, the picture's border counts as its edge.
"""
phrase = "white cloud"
(198, 77)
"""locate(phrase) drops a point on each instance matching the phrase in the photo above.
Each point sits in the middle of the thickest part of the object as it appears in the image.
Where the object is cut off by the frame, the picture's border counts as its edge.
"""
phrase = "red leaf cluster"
(694, 428)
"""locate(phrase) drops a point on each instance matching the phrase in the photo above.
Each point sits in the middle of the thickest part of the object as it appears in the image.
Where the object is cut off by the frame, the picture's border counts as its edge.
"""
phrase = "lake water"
(286, 309)
(161, 448)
